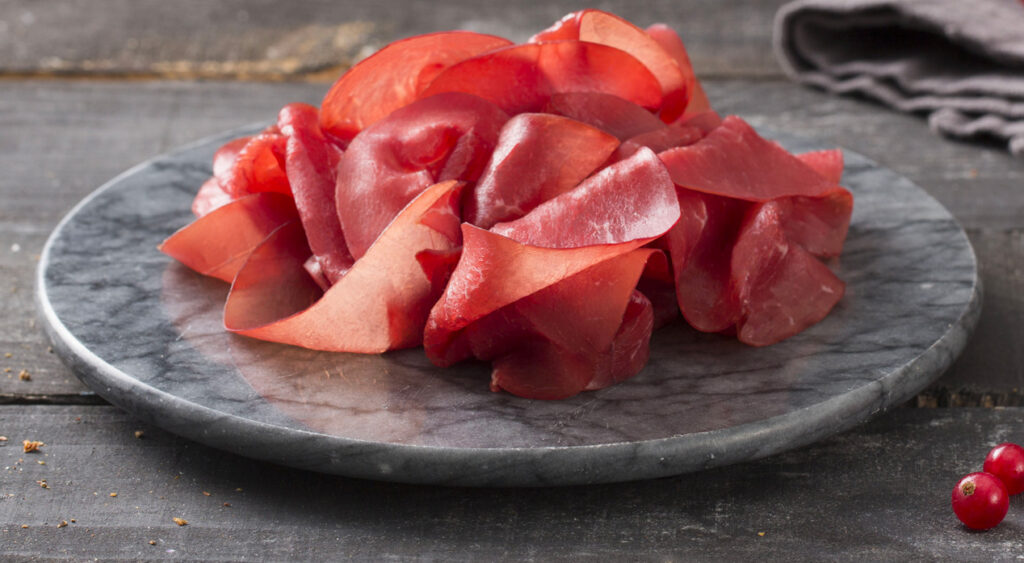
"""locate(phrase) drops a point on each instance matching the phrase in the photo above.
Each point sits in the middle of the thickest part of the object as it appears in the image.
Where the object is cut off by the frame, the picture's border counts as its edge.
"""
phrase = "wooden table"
(87, 91)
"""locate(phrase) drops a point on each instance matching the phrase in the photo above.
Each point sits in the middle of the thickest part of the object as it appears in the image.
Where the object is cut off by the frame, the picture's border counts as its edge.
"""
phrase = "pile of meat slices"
(542, 207)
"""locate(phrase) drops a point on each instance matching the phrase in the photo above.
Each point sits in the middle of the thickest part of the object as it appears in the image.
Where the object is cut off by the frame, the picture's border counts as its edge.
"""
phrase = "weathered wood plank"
(62, 139)
(879, 492)
(264, 39)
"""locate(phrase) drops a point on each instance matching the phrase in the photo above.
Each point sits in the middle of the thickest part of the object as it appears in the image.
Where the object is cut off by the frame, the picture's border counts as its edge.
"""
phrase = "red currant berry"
(1006, 461)
(980, 501)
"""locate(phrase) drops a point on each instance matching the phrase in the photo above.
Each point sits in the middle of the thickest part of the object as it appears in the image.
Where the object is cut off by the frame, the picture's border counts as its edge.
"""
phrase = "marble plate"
(144, 333)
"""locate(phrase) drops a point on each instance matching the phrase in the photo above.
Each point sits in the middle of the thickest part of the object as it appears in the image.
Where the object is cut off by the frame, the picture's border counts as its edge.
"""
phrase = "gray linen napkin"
(959, 61)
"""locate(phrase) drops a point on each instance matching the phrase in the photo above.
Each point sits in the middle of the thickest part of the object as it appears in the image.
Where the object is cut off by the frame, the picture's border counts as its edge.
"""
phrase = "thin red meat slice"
(394, 77)
(596, 26)
(706, 121)
(631, 199)
(607, 112)
(817, 224)
(522, 78)
(668, 137)
(538, 156)
(218, 243)
(380, 304)
(734, 161)
(557, 286)
(700, 246)
(782, 289)
(697, 100)
(828, 163)
(443, 137)
(587, 332)
(517, 305)
(210, 196)
(311, 165)
(258, 167)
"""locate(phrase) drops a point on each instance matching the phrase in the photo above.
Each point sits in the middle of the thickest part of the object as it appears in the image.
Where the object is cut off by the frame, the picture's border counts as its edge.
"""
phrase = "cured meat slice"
(522, 78)
(697, 100)
(828, 163)
(443, 137)
(518, 305)
(311, 164)
(612, 114)
(700, 246)
(380, 304)
(538, 156)
(218, 243)
(211, 196)
(523, 292)
(629, 200)
(394, 77)
(782, 289)
(706, 121)
(734, 161)
(587, 332)
(596, 26)
(818, 224)
(258, 167)
(660, 140)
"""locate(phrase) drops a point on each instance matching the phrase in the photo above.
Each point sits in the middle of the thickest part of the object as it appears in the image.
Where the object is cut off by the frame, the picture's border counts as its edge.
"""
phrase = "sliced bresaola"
(628, 200)
(668, 39)
(522, 78)
(700, 246)
(734, 161)
(596, 26)
(781, 288)
(219, 242)
(659, 140)
(212, 194)
(311, 165)
(443, 137)
(394, 77)
(828, 163)
(538, 156)
(258, 167)
(380, 304)
(607, 112)
(500, 303)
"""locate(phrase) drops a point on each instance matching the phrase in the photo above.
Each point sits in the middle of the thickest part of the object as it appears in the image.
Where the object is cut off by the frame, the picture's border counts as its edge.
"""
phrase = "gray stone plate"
(145, 333)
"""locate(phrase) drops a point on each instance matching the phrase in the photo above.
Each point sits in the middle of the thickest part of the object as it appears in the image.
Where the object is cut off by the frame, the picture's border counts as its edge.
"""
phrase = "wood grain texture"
(880, 492)
(62, 139)
(264, 39)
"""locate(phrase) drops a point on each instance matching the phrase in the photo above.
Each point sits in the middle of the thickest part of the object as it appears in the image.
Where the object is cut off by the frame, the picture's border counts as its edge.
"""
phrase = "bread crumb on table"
(179, 521)
(32, 445)
(62, 524)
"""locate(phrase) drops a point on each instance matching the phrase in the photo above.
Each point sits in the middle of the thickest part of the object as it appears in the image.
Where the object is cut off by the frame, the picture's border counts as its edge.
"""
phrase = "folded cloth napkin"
(959, 61)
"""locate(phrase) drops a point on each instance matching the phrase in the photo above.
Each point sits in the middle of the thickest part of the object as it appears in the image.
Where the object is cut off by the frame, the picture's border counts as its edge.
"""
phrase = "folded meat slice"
(380, 304)
(607, 112)
(219, 242)
(758, 216)
(734, 161)
(697, 100)
(782, 289)
(394, 77)
(311, 165)
(596, 26)
(538, 156)
(448, 136)
(549, 297)
(522, 78)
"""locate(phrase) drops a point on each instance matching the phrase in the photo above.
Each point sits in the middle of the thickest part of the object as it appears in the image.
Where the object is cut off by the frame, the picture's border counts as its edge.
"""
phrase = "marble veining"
(145, 333)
